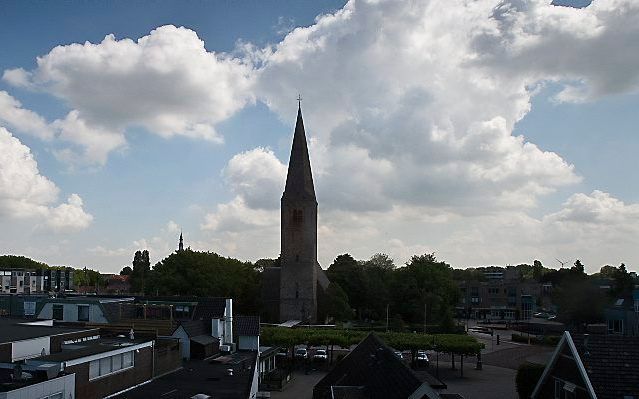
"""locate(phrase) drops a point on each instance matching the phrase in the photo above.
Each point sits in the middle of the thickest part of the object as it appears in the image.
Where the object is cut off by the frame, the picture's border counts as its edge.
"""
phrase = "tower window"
(298, 216)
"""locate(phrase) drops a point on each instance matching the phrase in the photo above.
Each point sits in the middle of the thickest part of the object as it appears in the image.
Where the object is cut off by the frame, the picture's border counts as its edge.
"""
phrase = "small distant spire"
(299, 101)
(181, 245)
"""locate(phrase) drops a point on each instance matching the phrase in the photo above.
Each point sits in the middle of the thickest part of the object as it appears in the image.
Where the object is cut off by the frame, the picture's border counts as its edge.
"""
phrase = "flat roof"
(13, 331)
(209, 377)
(89, 348)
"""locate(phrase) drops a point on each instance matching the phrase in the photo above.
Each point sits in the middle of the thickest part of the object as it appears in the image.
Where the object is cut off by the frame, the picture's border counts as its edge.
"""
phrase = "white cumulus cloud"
(26, 194)
(166, 82)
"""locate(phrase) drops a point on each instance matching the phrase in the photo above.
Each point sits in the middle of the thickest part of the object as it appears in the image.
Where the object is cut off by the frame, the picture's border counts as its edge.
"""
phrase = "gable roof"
(374, 366)
(246, 325)
(194, 328)
(612, 364)
(608, 364)
(209, 308)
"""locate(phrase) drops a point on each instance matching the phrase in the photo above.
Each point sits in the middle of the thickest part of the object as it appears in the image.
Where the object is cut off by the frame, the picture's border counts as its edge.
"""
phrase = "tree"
(333, 303)
(624, 283)
(350, 275)
(579, 302)
(578, 266)
(537, 270)
(20, 262)
(197, 273)
(424, 290)
(126, 271)
(382, 261)
(608, 271)
(140, 271)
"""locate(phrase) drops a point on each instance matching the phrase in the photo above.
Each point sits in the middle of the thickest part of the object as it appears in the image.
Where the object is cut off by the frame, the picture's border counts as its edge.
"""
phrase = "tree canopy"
(197, 273)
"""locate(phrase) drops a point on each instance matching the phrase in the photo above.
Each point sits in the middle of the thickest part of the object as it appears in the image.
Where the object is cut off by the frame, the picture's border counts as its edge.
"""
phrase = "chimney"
(228, 321)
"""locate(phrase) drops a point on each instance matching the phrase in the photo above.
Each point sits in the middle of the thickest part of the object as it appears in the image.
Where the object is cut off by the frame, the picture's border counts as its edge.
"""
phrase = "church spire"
(299, 180)
(181, 245)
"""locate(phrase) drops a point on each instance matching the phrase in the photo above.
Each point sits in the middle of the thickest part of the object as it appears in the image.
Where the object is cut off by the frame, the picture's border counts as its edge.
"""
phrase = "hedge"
(448, 343)
(551, 340)
(527, 377)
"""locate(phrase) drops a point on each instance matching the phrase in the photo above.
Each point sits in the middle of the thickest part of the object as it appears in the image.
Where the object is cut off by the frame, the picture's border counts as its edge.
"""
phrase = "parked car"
(301, 353)
(398, 354)
(282, 352)
(320, 355)
(422, 358)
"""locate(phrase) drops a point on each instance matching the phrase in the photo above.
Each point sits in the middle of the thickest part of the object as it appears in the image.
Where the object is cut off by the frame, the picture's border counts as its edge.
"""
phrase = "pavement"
(301, 387)
(489, 383)
(495, 380)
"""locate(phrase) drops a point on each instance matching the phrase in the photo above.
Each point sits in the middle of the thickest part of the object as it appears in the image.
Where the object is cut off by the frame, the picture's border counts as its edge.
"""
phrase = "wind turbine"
(561, 263)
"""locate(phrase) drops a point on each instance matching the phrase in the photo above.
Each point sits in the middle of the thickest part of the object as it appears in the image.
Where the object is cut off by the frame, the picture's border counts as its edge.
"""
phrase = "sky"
(490, 132)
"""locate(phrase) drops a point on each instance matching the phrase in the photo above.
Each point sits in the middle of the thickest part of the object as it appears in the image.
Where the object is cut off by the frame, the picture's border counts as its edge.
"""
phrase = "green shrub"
(527, 376)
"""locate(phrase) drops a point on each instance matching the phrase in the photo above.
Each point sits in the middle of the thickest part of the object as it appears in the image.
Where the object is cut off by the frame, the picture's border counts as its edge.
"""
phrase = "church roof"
(299, 180)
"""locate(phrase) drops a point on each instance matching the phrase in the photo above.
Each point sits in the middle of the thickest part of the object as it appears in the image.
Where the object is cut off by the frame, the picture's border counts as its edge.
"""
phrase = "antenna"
(561, 263)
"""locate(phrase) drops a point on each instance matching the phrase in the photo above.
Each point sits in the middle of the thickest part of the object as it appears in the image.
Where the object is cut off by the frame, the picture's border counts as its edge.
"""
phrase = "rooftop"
(89, 348)
(13, 330)
(209, 377)
(611, 362)
(246, 325)
(371, 369)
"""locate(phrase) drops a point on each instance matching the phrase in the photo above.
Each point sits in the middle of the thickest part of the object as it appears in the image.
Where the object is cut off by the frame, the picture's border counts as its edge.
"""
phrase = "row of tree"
(421, 292)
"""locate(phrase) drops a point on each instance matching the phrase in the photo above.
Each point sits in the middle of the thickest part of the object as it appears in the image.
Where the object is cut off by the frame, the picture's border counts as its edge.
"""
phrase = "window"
(110, 365)
(116, 362)
(105, 366)
(58, 312)
(127, 359)
(94, 369)
(298, 216)
(83, 312)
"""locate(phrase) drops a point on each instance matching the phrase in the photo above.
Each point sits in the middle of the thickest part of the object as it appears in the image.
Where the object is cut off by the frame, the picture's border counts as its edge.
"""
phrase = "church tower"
(299, 267)
(181, 244)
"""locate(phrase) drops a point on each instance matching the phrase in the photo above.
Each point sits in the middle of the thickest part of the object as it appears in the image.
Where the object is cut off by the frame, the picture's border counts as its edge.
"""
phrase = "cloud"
(257, 176)
(410, 110)
(248, 225)
(15, 116)
(92, 144)
(593, 50)
(18, 77)
(401, 109)
(166, 82)
(26, 194)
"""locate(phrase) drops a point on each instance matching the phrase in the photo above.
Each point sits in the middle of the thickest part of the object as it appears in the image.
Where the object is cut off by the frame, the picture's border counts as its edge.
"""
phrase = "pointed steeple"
(181, 245)
(299, 180)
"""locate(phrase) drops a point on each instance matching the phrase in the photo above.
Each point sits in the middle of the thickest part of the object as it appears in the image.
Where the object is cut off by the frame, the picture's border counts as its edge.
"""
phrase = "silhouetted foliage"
(191, 272)
(88, 278)
(333, 303)
(20, 262)
(528, 375)
(126, 271)
(580, 302)
(141, 270)
(424, 291)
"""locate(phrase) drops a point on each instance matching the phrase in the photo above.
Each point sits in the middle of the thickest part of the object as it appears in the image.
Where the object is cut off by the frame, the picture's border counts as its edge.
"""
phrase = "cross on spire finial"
(299, 100)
